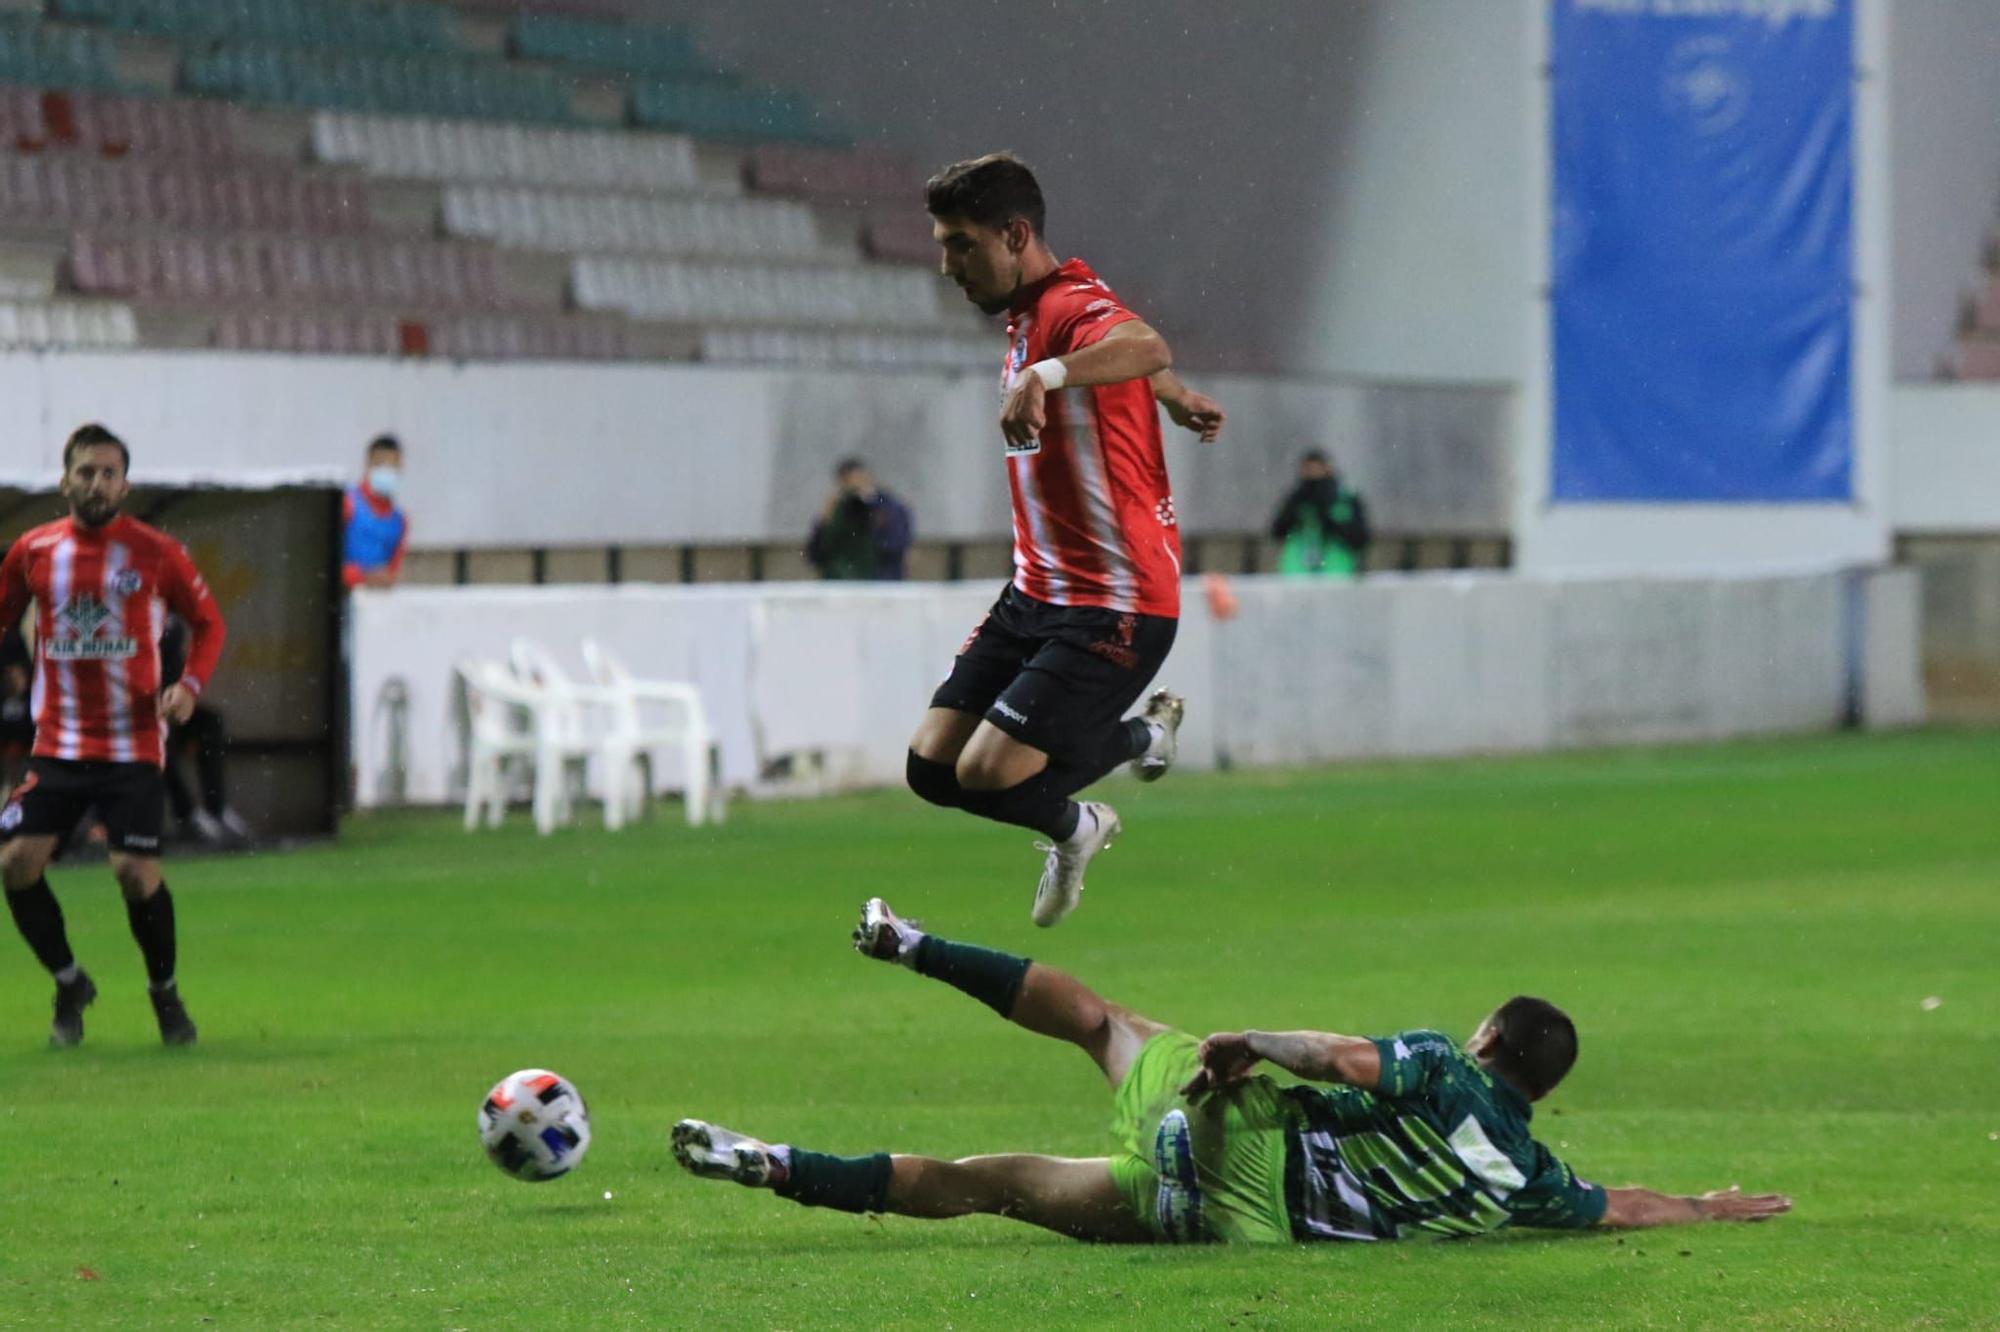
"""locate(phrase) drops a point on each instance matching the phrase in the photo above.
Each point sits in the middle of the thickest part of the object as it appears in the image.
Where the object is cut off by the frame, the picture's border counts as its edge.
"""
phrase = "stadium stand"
(459, 179)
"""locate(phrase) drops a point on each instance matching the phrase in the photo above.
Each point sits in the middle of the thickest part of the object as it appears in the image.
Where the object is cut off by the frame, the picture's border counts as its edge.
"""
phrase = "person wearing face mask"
(376, 528)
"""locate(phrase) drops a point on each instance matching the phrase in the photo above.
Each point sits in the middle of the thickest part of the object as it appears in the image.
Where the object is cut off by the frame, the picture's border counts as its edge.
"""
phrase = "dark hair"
(1536, 1047)
(90, 436)
(992, 191)
(386, 444)
(1316, 455)
(848, 465)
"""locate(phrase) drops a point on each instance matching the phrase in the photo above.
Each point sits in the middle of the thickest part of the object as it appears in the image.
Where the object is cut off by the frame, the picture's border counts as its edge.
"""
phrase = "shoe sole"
(1151, 770)
(869, 934)
(691, 1136)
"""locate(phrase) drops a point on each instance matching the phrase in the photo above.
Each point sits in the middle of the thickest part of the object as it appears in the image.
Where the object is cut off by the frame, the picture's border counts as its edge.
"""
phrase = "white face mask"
(384, 480)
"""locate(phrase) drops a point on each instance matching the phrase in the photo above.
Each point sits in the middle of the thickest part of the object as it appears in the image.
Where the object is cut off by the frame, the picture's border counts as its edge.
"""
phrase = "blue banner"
(1702, 241)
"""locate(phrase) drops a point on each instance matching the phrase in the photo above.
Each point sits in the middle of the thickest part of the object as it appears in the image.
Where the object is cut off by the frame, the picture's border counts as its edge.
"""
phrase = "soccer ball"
(534, 1125)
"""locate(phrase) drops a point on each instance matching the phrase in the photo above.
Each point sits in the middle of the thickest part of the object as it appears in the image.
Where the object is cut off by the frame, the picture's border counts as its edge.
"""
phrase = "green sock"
(844, 1183)
(988, 975)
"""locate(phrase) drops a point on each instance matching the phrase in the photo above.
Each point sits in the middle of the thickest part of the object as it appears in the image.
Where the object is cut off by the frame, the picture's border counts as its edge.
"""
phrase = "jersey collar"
(1069, 269)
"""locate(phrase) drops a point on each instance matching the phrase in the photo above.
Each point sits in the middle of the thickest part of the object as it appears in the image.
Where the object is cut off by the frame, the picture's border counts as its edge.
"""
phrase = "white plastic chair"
(573, 723)
(504, 736)
(649, 715)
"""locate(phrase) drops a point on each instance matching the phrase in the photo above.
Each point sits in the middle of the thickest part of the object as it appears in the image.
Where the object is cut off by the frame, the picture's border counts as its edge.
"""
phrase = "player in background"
(101, 583)
(1034, 708)
(1407, 1136)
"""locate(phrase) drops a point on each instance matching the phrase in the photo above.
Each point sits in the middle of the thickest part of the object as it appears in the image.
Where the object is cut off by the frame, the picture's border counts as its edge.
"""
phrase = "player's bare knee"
(21, 865)
(137, 878)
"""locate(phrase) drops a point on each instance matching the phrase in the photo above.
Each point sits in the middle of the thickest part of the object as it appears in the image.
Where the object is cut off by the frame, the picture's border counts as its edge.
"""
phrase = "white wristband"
(1051, 373)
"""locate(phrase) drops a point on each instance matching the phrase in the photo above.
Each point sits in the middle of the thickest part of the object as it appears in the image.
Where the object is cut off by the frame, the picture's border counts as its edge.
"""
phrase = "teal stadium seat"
(338, 24)
(627, 48)
(54, 57)
(721, 111)
(434, 85)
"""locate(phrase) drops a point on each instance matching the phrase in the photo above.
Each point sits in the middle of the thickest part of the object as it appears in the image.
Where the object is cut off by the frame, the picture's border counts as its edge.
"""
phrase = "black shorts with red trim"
(1053, 676)
(56, 793)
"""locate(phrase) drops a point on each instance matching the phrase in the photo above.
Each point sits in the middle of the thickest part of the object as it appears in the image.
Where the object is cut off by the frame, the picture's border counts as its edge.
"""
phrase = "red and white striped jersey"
(100, 597)
(1093, 510)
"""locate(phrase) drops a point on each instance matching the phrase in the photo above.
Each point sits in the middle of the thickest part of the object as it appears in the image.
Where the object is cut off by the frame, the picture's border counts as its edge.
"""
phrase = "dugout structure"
(271, 554)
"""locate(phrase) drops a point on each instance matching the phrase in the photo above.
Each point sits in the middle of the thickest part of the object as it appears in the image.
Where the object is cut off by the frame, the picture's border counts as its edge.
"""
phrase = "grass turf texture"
(1744, 934)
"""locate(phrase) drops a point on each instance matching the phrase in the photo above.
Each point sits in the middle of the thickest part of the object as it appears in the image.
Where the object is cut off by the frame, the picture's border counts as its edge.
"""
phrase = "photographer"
(863, 531)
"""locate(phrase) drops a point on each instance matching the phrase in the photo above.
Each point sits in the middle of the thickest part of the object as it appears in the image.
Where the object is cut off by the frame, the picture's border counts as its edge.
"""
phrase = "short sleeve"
(1083, 314)
(1411, 1061)
(1555, 1199)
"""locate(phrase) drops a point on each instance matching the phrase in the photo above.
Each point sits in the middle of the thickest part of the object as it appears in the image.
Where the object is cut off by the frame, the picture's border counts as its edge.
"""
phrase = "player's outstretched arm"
(1186, 408)
(1229, 1057)
(1634, 1209)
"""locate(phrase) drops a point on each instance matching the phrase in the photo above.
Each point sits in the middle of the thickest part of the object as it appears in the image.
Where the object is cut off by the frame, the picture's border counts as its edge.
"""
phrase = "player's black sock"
(1039, 803)
(934, 781)
(844, 1183)
(40, 919)
(1090, 762)
(992, 977)
(152, 921)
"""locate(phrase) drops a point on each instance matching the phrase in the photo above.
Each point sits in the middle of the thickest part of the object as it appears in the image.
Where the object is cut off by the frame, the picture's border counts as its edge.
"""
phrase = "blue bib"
(372, 538)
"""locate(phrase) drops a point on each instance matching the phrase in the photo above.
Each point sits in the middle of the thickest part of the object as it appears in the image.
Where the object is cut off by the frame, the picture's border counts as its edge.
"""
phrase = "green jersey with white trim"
(1441, 1147)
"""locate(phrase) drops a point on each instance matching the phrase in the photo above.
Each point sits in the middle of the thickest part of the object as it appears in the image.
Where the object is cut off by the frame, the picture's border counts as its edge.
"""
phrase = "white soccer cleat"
(714, 1152)
(1061, 887)
(1165, 710)
(885, 936)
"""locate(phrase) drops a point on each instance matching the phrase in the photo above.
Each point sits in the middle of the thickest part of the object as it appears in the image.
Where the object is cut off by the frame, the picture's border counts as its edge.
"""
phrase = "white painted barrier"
(1305, 672)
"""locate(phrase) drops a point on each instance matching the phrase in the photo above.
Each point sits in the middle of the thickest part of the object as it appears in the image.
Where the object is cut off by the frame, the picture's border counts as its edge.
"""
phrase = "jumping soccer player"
(1034, 708)
(1415, 1136)
(99, 581)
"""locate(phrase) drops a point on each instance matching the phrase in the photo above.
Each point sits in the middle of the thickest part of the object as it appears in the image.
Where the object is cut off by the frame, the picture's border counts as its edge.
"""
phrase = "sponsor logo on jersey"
(75, 637)
(1011, 714)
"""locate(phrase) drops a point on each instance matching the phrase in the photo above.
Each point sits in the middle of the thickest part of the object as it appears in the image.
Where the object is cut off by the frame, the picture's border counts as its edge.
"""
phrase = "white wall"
(581, 455)
(1422, 253)
(1947, 474)
(1945, 145)
(1305, 672)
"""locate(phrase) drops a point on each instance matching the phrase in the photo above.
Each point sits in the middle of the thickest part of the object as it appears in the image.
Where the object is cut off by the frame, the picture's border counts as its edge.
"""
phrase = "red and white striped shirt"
(100, 595)
(1093, 510)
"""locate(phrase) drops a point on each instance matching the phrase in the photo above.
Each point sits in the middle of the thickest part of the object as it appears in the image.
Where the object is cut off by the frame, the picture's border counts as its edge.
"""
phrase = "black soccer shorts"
(1054, 676)
(57, 793)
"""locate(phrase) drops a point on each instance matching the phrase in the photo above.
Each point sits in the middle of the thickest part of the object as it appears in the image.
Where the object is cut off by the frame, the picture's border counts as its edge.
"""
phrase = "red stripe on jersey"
(98, 596)
(1093, 509)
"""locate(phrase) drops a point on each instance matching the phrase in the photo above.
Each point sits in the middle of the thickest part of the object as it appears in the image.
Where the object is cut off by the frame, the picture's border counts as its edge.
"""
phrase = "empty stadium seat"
(903, 234)
(40, 324)
(334, 271)
(630, 48)
(309, 332)
(54, 57)
(1977, 358)
(694, 292)
(440, 85)
(145, 126)
(856, 175)
(71, 191)
(579, 223)
(330, 23)
(724, 111)
(457, 150)
(21, 119)
(882, 351)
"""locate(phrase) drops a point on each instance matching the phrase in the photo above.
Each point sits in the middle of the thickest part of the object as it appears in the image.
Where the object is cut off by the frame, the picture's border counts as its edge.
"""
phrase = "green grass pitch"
(1745, 933)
